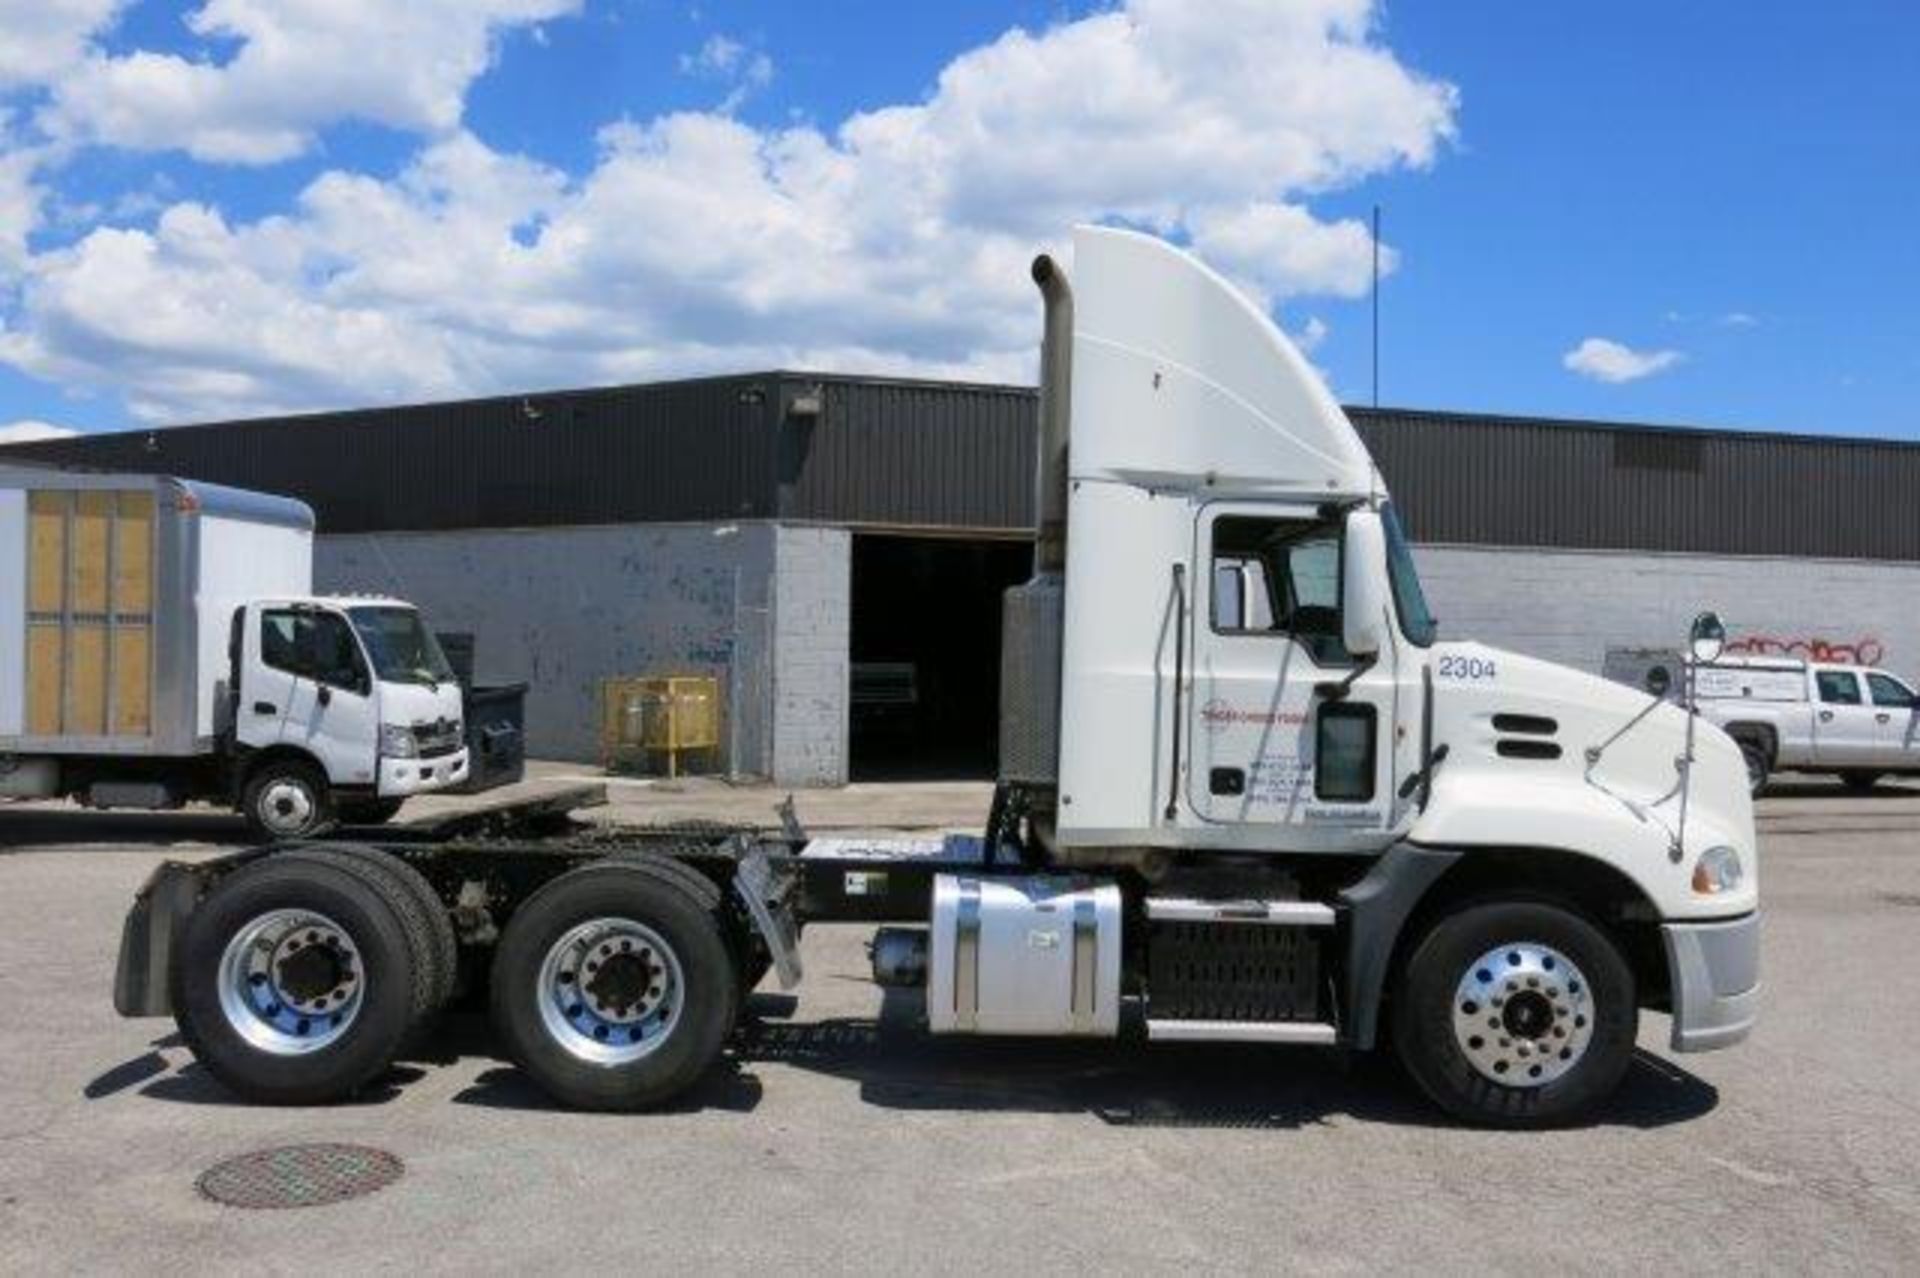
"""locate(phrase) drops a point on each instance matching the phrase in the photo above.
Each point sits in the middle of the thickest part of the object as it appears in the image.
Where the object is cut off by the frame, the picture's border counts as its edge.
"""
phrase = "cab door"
(1896, 715)
(304, 682)
(1288, 732)
(1844, 731)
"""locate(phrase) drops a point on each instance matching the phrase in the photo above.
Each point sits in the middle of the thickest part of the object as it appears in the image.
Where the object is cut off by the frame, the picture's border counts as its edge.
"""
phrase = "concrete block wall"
(1571, 606)
(560, 609)
(812, 626)
(764, 608)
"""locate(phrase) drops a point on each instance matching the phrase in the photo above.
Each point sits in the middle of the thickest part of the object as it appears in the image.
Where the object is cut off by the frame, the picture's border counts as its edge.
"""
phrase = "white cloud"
(1609, 361)
(21, 432)
(43, 38)
(300, 65)
(1309, 335)
(1739, 319)
(897, 242)
(725, 59)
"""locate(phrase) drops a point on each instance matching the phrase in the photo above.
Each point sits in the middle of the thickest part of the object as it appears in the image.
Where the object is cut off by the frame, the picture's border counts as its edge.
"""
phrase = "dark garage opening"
(925, 694)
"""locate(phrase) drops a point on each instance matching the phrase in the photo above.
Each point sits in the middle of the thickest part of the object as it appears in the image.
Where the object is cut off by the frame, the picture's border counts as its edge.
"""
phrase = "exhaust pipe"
(1032, 615)
(1056, 385)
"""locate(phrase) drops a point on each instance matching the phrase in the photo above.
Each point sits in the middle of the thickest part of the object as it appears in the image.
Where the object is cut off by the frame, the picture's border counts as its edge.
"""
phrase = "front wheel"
(286, 799)
(1515, 1014)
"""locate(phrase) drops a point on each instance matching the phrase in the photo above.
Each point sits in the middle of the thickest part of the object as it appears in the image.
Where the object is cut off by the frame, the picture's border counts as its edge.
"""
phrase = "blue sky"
(1692, 214)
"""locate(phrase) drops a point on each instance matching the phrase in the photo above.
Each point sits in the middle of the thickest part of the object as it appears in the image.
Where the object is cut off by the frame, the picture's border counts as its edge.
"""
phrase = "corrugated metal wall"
(913, 455)
(1500, 481)
(926, 455)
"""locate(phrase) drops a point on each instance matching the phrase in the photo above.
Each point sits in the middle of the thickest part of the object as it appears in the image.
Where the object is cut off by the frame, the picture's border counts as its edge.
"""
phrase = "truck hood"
(415, 703)
(1587, 765)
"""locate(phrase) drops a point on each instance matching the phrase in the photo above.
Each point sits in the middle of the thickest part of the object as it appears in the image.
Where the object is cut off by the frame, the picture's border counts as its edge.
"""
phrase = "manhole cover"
(300, 1176)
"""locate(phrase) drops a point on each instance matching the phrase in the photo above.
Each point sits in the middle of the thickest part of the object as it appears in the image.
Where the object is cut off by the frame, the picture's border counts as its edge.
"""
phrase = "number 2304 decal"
(1466, 668)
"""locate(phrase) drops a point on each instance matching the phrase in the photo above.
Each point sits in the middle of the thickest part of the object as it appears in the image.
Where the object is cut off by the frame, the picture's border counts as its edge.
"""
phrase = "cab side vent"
(1532, 725)
(1526, 748)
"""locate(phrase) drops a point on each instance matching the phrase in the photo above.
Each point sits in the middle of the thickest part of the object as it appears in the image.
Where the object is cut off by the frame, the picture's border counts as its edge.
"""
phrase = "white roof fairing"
(1180, 382)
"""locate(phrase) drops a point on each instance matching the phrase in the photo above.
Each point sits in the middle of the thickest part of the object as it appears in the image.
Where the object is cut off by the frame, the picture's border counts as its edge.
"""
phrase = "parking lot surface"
(837, 1136)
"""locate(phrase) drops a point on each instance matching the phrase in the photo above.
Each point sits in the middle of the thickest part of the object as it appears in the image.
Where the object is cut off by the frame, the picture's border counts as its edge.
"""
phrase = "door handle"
(265, 707)
(1883, 717)
(1826, 716)
(325, 696)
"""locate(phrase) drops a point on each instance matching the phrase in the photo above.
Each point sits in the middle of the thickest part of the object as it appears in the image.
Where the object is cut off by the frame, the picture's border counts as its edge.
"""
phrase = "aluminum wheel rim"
(286, 806)
(1523, 1015)
(291, 982)
(610, 991)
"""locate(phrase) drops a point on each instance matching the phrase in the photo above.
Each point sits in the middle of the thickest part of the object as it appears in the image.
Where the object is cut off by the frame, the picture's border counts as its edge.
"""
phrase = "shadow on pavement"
(44, 828)
(897, 1065)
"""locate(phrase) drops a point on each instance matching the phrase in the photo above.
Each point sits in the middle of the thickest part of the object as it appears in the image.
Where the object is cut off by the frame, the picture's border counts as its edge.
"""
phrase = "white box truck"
(1246, 794)
(160, 643)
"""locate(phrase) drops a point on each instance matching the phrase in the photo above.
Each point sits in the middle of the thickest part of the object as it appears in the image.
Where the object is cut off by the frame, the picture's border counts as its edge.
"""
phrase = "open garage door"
(925, 693)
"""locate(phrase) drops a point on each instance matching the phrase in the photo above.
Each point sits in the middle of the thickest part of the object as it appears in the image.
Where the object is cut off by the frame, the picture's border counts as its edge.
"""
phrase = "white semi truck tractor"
(160, 644)
(1247, 795)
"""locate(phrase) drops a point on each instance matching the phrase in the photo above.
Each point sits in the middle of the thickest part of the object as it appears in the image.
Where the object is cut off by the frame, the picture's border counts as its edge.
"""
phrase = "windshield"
(402, 650)
(1417, 623)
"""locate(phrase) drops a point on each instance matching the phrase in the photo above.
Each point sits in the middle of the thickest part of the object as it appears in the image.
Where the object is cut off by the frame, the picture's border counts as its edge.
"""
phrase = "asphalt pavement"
(837, 1136)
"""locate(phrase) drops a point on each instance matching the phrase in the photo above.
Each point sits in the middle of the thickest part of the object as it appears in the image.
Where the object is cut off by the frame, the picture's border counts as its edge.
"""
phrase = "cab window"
(1838, 687)
(313, 645)
(1889, 691)
(1279, 577)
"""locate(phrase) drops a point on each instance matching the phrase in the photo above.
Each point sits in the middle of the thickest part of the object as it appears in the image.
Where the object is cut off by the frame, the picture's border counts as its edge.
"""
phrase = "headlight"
(397, 742)
(1718, 870)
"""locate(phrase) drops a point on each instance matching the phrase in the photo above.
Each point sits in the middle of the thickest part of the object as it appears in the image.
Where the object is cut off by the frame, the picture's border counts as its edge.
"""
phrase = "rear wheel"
(297, 979)
(286, 799)
(614, 986)
(1759, 761)
(1860, 781)
(1515, 1014)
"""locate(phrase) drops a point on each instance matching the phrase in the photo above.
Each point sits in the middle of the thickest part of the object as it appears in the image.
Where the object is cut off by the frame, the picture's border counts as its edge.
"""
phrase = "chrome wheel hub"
(291, 982)
(610, 991)
(1523, 1015)
(286, 807)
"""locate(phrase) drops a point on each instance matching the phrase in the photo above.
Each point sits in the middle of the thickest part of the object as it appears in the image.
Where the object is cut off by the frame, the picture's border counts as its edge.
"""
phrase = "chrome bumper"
(1715, 971)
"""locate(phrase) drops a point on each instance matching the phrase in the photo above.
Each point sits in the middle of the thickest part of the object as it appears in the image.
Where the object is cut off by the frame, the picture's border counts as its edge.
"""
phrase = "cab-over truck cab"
(341, 708)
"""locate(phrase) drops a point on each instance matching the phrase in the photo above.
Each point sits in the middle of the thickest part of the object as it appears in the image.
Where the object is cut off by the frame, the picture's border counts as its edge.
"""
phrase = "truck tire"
(369, 811)
(427, 917)
(298, 978)
(286, 799)
(1860, 781)
(1759, 761)
(614, 986)
(1515, 1014)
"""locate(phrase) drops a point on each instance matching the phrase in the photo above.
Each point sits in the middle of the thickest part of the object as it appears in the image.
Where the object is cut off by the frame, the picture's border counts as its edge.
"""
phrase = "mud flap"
(753, 883)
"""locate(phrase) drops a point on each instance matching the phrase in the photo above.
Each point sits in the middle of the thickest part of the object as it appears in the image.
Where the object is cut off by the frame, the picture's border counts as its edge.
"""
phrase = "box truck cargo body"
(159, 643)
(114, 622)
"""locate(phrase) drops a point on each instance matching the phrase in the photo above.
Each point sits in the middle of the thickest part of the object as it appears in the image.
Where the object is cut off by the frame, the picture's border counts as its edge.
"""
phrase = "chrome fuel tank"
(1035, 954)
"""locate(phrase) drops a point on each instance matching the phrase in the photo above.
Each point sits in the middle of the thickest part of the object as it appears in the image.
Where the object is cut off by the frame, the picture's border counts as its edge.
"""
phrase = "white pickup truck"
(1858, 723)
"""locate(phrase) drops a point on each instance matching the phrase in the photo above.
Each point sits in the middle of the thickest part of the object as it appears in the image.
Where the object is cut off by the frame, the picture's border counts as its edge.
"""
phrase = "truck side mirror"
(1363, 585)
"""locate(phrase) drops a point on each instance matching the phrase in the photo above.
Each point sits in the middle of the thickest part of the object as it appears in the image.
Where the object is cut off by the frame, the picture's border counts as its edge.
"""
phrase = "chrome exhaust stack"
(1033, 615)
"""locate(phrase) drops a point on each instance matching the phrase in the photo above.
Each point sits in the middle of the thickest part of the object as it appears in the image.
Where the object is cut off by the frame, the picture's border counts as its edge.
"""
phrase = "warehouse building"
(832, 549)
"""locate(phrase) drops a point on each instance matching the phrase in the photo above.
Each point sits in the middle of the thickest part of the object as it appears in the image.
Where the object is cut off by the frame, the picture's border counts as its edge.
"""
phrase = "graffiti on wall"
(1864, 651)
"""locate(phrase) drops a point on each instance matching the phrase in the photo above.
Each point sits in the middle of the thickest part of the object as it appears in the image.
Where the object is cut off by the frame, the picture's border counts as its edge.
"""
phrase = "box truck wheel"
(298, 977)
(614, 986)
(286, 799)
(1515, 1014)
